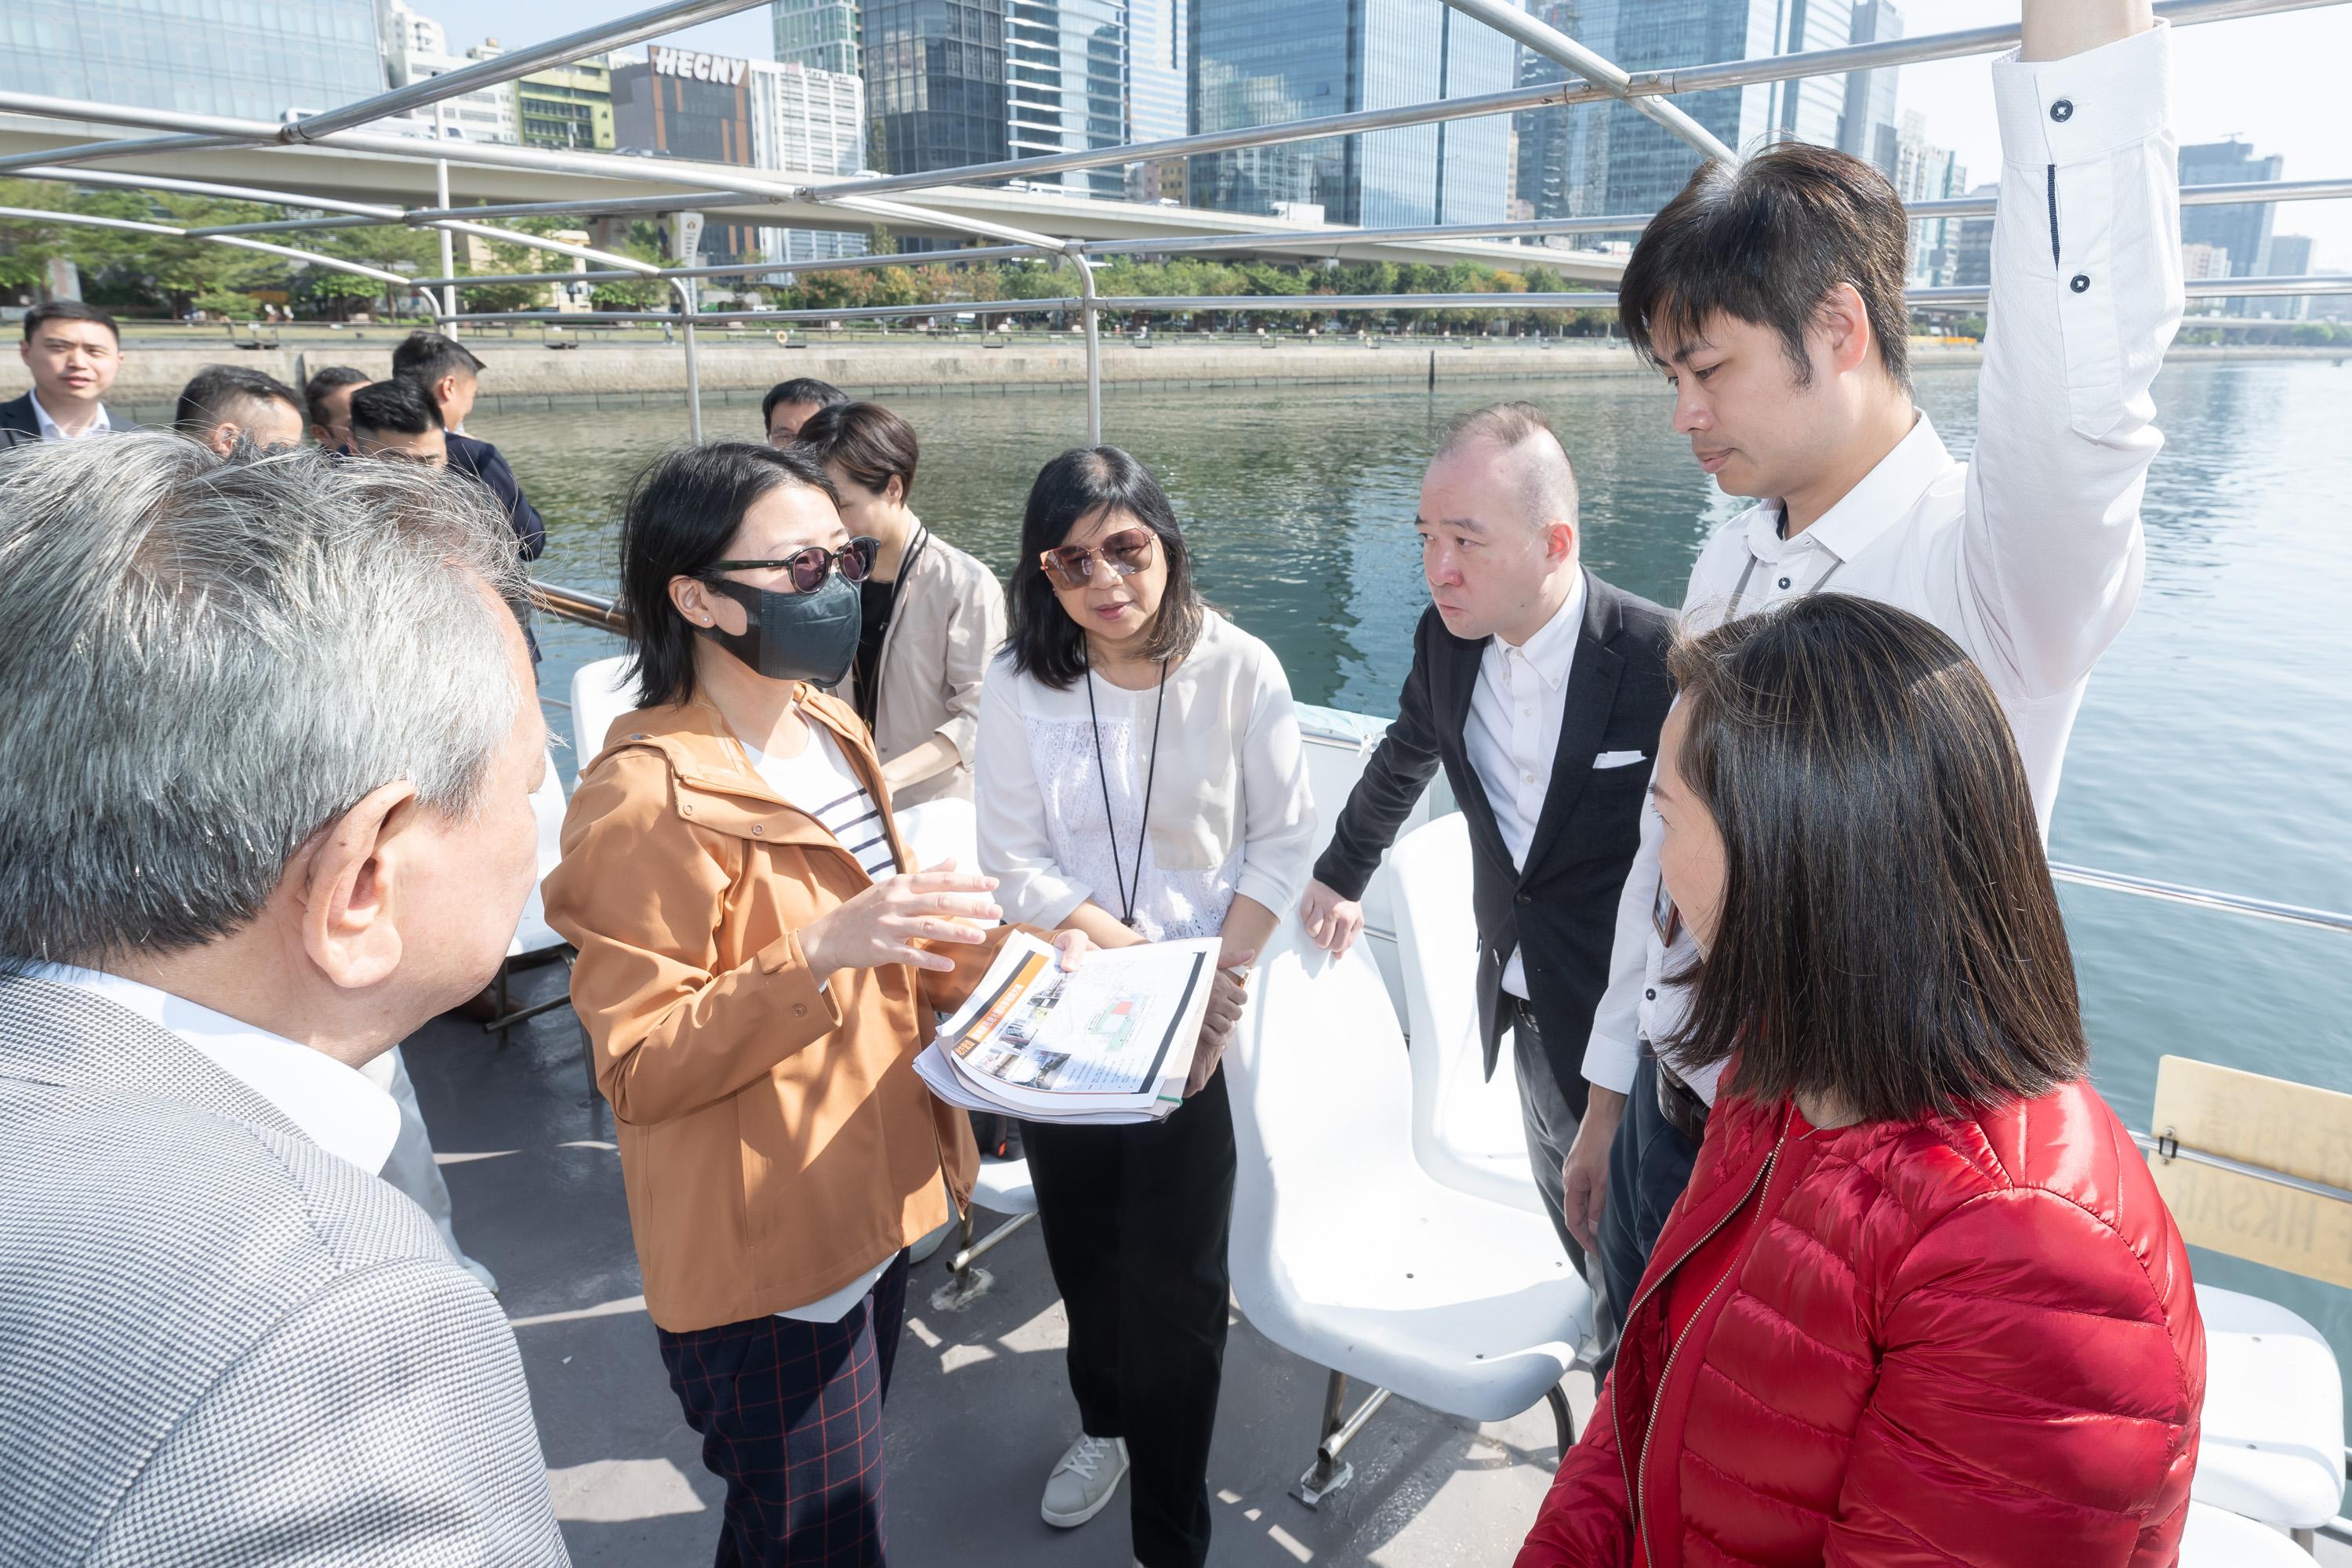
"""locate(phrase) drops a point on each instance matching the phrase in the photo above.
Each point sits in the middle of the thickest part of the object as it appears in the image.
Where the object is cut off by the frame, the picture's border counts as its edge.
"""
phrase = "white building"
(808, 122)
(416, 48)
(1923, 172)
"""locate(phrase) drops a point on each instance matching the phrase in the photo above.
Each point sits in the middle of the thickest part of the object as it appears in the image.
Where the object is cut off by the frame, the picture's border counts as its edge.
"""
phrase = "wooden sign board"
(2290, 1128)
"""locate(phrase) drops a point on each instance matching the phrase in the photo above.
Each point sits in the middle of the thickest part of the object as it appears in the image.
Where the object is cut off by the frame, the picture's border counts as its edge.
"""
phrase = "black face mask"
(793, 636)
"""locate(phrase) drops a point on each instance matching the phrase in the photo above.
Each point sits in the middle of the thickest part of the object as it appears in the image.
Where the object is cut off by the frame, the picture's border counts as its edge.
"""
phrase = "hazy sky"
(2277, 81)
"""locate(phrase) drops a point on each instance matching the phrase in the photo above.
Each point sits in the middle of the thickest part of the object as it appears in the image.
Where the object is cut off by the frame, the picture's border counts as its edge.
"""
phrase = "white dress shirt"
(2029, 555)
(1512, 733)
(53, 431)
(335, 1106)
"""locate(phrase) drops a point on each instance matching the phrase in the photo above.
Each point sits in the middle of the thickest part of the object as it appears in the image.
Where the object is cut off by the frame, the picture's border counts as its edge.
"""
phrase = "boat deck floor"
(979, 1408)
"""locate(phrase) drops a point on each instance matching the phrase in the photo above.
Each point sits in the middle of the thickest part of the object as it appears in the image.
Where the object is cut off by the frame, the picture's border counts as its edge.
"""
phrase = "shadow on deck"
(979, 1410)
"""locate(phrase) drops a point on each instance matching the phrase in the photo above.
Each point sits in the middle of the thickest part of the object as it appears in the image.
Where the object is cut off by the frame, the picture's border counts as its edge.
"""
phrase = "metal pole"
(686, 304)
(1089, 312)
(448, 245)
(1609, 76)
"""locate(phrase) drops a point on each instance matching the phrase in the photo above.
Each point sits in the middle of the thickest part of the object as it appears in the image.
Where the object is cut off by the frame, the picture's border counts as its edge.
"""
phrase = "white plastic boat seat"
(532, 934)
(2217, 1539)
(2272, 1446)
(1337, 743)
(1468, 1129)
(601, 692)
(1344, 1249)
(1003, 1187)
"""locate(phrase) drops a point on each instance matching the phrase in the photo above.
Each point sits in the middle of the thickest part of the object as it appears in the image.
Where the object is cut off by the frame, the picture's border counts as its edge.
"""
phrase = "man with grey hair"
(1540, 690)
(268, 741)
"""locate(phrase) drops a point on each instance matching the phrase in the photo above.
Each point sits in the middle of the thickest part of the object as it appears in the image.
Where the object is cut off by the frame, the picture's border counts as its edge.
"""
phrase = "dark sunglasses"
(1125, 552)
(808, 567)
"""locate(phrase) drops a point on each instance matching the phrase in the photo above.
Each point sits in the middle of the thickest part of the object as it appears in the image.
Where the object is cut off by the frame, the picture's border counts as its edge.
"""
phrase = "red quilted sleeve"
(1586, 1521)
(2038, 1394)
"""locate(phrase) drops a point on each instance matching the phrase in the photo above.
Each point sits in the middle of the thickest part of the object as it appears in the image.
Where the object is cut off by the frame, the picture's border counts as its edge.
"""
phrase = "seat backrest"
(1468, 1129)
(601, 692)
(532, 934)
(1320, 1088)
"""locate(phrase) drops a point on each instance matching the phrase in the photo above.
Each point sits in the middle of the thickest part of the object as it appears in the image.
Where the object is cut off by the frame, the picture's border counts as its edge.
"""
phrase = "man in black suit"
(74, 353)
(449, 375)
(1541, 690)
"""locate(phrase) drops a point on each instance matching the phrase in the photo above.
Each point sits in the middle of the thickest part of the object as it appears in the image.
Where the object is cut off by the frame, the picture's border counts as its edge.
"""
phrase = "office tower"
(809, 121)
(1923, 171)
(822, 35)
(567, 107)
(1972, 246)
(934, 84)
(1810, 109)
(1554, 143)
(2290, 258)
(1869, 95)
(1157, 109)
(416, 48)
(1261, 62)
(257, 60)
(1065, 86)
(2243, 231)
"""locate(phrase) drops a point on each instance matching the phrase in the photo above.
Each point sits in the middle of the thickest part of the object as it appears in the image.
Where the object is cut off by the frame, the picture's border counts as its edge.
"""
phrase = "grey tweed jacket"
(219, 1343)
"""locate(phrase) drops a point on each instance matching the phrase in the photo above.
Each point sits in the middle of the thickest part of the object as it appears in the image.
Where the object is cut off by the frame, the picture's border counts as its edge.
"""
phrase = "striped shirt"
(821, 782)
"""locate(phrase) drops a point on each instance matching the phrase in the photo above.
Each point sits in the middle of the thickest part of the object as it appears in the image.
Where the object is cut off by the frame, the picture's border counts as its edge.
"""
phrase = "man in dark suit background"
(449, 375)
(74, 351)
(1541, 690)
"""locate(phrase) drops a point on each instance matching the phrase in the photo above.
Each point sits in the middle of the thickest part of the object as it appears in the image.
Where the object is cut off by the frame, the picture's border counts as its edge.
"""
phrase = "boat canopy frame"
(1595, 79)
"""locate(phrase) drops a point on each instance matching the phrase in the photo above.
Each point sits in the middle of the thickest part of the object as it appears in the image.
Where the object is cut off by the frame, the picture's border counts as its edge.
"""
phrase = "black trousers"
(791, 1417)
(1649, 1165)
(1136, 1220)
(1551, 1111)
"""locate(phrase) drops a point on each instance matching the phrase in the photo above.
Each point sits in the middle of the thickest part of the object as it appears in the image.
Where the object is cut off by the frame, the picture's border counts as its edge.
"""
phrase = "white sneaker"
(1084, 1482)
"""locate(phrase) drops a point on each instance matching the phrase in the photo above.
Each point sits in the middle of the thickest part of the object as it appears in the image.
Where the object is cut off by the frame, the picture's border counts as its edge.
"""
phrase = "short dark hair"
(1044, 641)
(429, 356)
(800, 389)
(681, 513)
(872, 445)
(323, 385)
(67, 310)
(218, 394)
(1889, 933)
(398, 408)
(1764, 242)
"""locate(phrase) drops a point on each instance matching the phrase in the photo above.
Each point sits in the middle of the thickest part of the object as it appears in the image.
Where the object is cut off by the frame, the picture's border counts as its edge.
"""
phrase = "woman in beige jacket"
(758, 967)
(932, 616)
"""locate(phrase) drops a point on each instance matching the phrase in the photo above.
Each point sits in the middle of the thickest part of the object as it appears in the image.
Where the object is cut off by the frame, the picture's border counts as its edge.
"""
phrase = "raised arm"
(2086, 298)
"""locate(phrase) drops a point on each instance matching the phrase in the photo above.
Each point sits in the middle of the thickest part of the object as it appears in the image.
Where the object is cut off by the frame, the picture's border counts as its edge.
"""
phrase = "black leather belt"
(1679, 1103)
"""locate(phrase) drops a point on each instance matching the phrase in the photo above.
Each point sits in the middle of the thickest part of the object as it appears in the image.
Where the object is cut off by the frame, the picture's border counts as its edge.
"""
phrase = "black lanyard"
(1126, 900)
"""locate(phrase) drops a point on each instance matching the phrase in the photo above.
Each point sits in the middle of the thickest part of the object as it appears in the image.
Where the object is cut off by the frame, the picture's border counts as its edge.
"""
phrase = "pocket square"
(1618, 759)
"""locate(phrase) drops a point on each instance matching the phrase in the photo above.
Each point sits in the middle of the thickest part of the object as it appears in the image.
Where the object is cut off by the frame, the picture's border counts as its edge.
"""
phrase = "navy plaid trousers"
(791, 1417)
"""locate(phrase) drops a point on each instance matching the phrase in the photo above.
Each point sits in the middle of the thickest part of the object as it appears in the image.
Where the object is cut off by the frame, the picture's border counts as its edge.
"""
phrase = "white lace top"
(1230, 811)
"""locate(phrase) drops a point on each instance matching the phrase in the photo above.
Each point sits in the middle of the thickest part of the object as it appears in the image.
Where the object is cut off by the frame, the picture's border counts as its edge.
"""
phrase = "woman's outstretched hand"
(882, 924)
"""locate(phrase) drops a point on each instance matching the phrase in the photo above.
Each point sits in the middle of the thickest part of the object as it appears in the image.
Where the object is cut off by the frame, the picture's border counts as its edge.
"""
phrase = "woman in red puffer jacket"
(1921, 1302)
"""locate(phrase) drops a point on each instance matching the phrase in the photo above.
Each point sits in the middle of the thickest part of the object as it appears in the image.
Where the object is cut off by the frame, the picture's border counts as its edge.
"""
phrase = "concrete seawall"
(528, 374)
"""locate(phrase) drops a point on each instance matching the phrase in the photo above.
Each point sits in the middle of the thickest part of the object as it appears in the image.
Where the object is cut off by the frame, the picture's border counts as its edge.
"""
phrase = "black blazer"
(1563, 905)
(20, 427)
(488, 464)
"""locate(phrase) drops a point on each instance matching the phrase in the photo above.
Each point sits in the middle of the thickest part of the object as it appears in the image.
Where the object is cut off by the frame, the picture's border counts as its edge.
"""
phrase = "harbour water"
(2215, 747)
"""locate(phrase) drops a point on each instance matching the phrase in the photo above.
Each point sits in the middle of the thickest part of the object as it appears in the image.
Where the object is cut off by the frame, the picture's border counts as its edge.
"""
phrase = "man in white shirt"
(74, 353)
(268, 742)
(1772, 297)
(1541, 690)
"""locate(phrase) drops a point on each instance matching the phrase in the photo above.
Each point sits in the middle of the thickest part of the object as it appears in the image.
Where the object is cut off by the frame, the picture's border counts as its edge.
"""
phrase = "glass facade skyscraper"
(2243, 231)
(1265, 62)
(1065, 84)
(934, 84)
(822, 35)
(251, 58)
(1869, 95)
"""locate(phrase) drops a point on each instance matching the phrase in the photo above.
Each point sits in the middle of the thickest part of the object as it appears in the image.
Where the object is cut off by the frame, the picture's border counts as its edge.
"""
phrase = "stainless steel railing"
(604, 614)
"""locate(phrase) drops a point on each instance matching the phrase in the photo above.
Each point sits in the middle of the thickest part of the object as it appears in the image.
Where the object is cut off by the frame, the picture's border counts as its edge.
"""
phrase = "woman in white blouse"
(1140, 779)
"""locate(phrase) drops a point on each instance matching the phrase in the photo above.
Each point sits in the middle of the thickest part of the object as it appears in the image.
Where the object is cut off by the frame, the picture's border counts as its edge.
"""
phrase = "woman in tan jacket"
(758, 968)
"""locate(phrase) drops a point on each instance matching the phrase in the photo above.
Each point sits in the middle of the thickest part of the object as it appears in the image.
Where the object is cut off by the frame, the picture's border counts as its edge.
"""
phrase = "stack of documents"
(1109, 1042)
